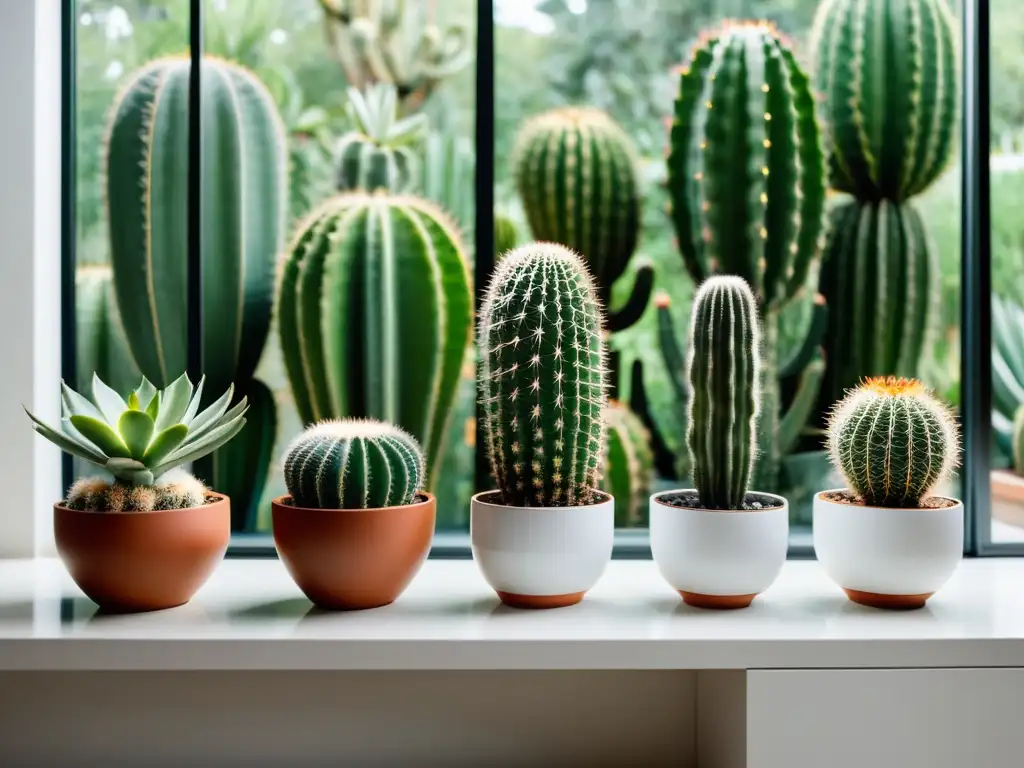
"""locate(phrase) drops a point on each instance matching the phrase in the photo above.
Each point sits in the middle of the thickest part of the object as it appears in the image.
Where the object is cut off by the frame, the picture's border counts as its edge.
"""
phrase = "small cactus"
(628, 470)
(893, 441)
(724, 374)
(353, 464)
(542, 378)
(176, 490)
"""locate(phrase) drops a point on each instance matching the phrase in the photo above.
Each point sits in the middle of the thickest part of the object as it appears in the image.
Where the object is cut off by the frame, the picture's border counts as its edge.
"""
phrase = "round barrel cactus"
(542, 378)
(353, 464)
(746, 170)
(893, 441)
(375, 312)
(724, 375)
(628, 469)
(889, 75)
(577, 175)
(380, 152)
(880, 279)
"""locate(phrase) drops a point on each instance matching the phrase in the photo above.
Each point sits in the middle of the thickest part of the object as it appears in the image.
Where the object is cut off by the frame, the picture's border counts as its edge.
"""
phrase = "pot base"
(888, 602)
(717, 602)
(540, 601)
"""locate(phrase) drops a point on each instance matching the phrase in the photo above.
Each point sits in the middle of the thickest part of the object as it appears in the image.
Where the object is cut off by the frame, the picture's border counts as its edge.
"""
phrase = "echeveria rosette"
(139, 439)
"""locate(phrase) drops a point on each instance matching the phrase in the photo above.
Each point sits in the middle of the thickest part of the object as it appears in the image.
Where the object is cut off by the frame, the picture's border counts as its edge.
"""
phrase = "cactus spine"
(889, 77)
(893, 441)
(746, 176)
(381, 150)
(175, 490)
(882, 276)
(353, 464)
(542, 379)
(375, 314)
(723, 364)
(628, 466)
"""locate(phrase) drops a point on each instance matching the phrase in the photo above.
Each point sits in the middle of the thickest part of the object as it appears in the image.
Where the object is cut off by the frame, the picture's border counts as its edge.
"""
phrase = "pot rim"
(819, 496)
(430, 500)
(477, 501)
(783, 503)
(219, 498)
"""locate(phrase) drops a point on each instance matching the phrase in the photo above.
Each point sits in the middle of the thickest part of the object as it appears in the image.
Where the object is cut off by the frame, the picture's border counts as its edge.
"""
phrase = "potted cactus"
(545, 536)
(149, 537)
(720, 545)
(885, 539)
(355, 526)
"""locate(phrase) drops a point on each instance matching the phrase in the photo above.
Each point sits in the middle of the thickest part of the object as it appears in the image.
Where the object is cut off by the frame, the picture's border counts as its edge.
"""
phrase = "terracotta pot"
(719, 558)
(541, 557)
(350, 559)
(143, 561)
(887, 558)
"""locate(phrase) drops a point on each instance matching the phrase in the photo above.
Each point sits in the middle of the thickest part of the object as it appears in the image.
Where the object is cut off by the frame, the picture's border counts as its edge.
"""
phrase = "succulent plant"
(889, 77)
(746, 178)
(881, 278)
(628, 467)
(387, 41)
(723, 364)
(152, 432)
(578, 178)
(375, 314)
(175, 490)
(505, 236)
(893, 441)
(542, 378)
(380, 152)
(353, 464)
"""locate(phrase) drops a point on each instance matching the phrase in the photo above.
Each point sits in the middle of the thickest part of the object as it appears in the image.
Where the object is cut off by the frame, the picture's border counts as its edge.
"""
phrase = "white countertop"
(250, 615)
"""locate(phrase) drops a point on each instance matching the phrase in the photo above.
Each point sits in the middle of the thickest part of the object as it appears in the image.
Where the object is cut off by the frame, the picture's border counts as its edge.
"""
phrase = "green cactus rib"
(888, 73)
(100, 342)
(723, 367)
(375, 314)
(447, 177)
(244, 216)
(628, 470)
(892, 441)
(353, 464)
(577, 175)
(881, 281)
(542, 378)
(746, 170)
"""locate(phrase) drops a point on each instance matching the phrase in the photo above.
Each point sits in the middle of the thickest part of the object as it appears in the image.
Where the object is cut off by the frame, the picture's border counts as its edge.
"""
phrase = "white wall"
(30, 48)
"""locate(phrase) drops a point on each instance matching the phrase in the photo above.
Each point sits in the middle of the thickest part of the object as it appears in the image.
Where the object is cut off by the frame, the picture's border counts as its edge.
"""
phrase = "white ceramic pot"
(888, 558)
(719, 558)
(541, 557)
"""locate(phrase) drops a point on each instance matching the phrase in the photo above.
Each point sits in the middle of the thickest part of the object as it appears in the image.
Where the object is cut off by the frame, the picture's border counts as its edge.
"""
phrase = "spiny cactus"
(881, 279)
(628, 467)
(353, 464)
(577, 175)
(388, 41)
(505, 236)
(893, 441)
(381, 151)
(375, 314)
(542, 378)
(175, 490)
(888, 73)
(724, 374)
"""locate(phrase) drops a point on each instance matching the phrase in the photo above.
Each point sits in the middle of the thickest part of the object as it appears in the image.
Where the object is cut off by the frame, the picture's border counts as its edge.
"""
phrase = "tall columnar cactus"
(577, 174)
(628, 468)
(375, 314)
(381, 151)
(542, 378)
(724, 374)
(505, 235)
(888, 73)
(353, 464)
(245, 209)
(746, 176)
(388, 41)
(100, 341)
(893, 441)
(881, 274)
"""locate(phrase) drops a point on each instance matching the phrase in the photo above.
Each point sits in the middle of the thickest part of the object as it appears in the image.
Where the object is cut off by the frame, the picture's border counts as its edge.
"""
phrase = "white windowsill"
(250, 616)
